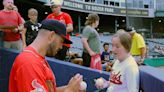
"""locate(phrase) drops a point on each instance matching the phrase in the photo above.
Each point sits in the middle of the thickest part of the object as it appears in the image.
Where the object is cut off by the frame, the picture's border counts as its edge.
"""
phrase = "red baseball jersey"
(30, 73)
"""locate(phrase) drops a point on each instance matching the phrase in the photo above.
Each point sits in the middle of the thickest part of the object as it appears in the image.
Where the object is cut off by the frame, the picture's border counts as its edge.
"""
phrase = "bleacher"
(77, 45)
(152, 43)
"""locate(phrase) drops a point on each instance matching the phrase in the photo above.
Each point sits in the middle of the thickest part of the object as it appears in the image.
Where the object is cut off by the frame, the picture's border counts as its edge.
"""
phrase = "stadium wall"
(63, 71)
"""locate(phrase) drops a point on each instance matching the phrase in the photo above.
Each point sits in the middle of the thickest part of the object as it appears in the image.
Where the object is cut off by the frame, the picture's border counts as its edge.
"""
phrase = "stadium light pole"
(79, 24)
(127, 17)
(116, 25)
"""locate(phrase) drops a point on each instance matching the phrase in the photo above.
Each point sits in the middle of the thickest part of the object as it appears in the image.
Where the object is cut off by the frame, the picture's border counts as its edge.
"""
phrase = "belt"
(135, 55)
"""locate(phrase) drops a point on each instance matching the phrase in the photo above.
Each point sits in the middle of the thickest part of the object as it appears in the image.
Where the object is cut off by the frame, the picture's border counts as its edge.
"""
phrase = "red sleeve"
(20, 19)
(31, 78)
(1, 15)
(49, 16)
(68, 19)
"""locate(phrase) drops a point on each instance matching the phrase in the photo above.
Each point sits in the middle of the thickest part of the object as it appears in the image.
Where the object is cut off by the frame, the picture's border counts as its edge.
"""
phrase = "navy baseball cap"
(56, 26)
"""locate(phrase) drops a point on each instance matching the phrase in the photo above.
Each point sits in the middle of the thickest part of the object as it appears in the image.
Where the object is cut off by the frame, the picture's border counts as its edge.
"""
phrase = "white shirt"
(125, 76)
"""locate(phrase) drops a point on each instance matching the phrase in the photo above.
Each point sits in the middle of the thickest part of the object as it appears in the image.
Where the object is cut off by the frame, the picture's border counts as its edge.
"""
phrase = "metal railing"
(160, 6)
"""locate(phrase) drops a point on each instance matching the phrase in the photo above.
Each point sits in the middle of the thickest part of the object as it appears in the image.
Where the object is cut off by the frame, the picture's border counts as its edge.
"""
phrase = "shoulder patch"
(37, 87)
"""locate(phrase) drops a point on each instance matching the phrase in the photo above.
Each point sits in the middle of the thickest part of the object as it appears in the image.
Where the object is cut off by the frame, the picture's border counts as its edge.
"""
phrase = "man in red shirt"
(10, 22)
(31, 72)
(66, 19)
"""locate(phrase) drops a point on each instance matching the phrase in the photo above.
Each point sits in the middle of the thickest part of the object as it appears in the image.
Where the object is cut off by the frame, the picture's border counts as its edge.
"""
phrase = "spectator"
(111, 55)
(90, 39)
(31, 72)
(11, 24)
(105, 56)
(138, 49)
(15, 8)
(31, 28)
(159, 49)
(125, 73)
(66, 19)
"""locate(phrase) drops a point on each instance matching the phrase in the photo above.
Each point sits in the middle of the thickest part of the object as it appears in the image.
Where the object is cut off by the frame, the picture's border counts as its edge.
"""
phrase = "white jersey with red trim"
(125, 76)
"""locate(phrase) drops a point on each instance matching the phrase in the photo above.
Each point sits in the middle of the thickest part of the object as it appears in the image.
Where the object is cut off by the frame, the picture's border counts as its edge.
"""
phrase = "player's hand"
(50, 85)
(74, 83)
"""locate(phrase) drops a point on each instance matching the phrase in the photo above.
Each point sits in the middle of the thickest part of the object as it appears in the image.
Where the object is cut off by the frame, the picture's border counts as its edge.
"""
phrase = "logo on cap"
(54, 2)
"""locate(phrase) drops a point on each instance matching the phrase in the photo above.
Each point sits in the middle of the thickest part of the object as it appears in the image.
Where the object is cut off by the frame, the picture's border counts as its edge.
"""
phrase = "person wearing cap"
(10, 25)
(138, 48)
(66, 19)
(31, 72)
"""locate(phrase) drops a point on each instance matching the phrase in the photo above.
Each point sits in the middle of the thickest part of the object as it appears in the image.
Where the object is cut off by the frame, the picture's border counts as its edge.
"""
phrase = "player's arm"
(50, 86)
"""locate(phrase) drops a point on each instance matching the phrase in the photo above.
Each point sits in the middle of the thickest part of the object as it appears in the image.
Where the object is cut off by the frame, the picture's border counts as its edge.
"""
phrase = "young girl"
(125, 73)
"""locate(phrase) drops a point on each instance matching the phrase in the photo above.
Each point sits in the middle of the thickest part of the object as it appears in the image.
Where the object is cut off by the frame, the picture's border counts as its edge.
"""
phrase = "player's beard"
(51, 52)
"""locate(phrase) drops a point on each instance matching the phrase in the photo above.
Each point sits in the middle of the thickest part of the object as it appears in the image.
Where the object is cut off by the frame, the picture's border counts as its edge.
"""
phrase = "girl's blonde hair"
(125, 39)
(32, 11)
